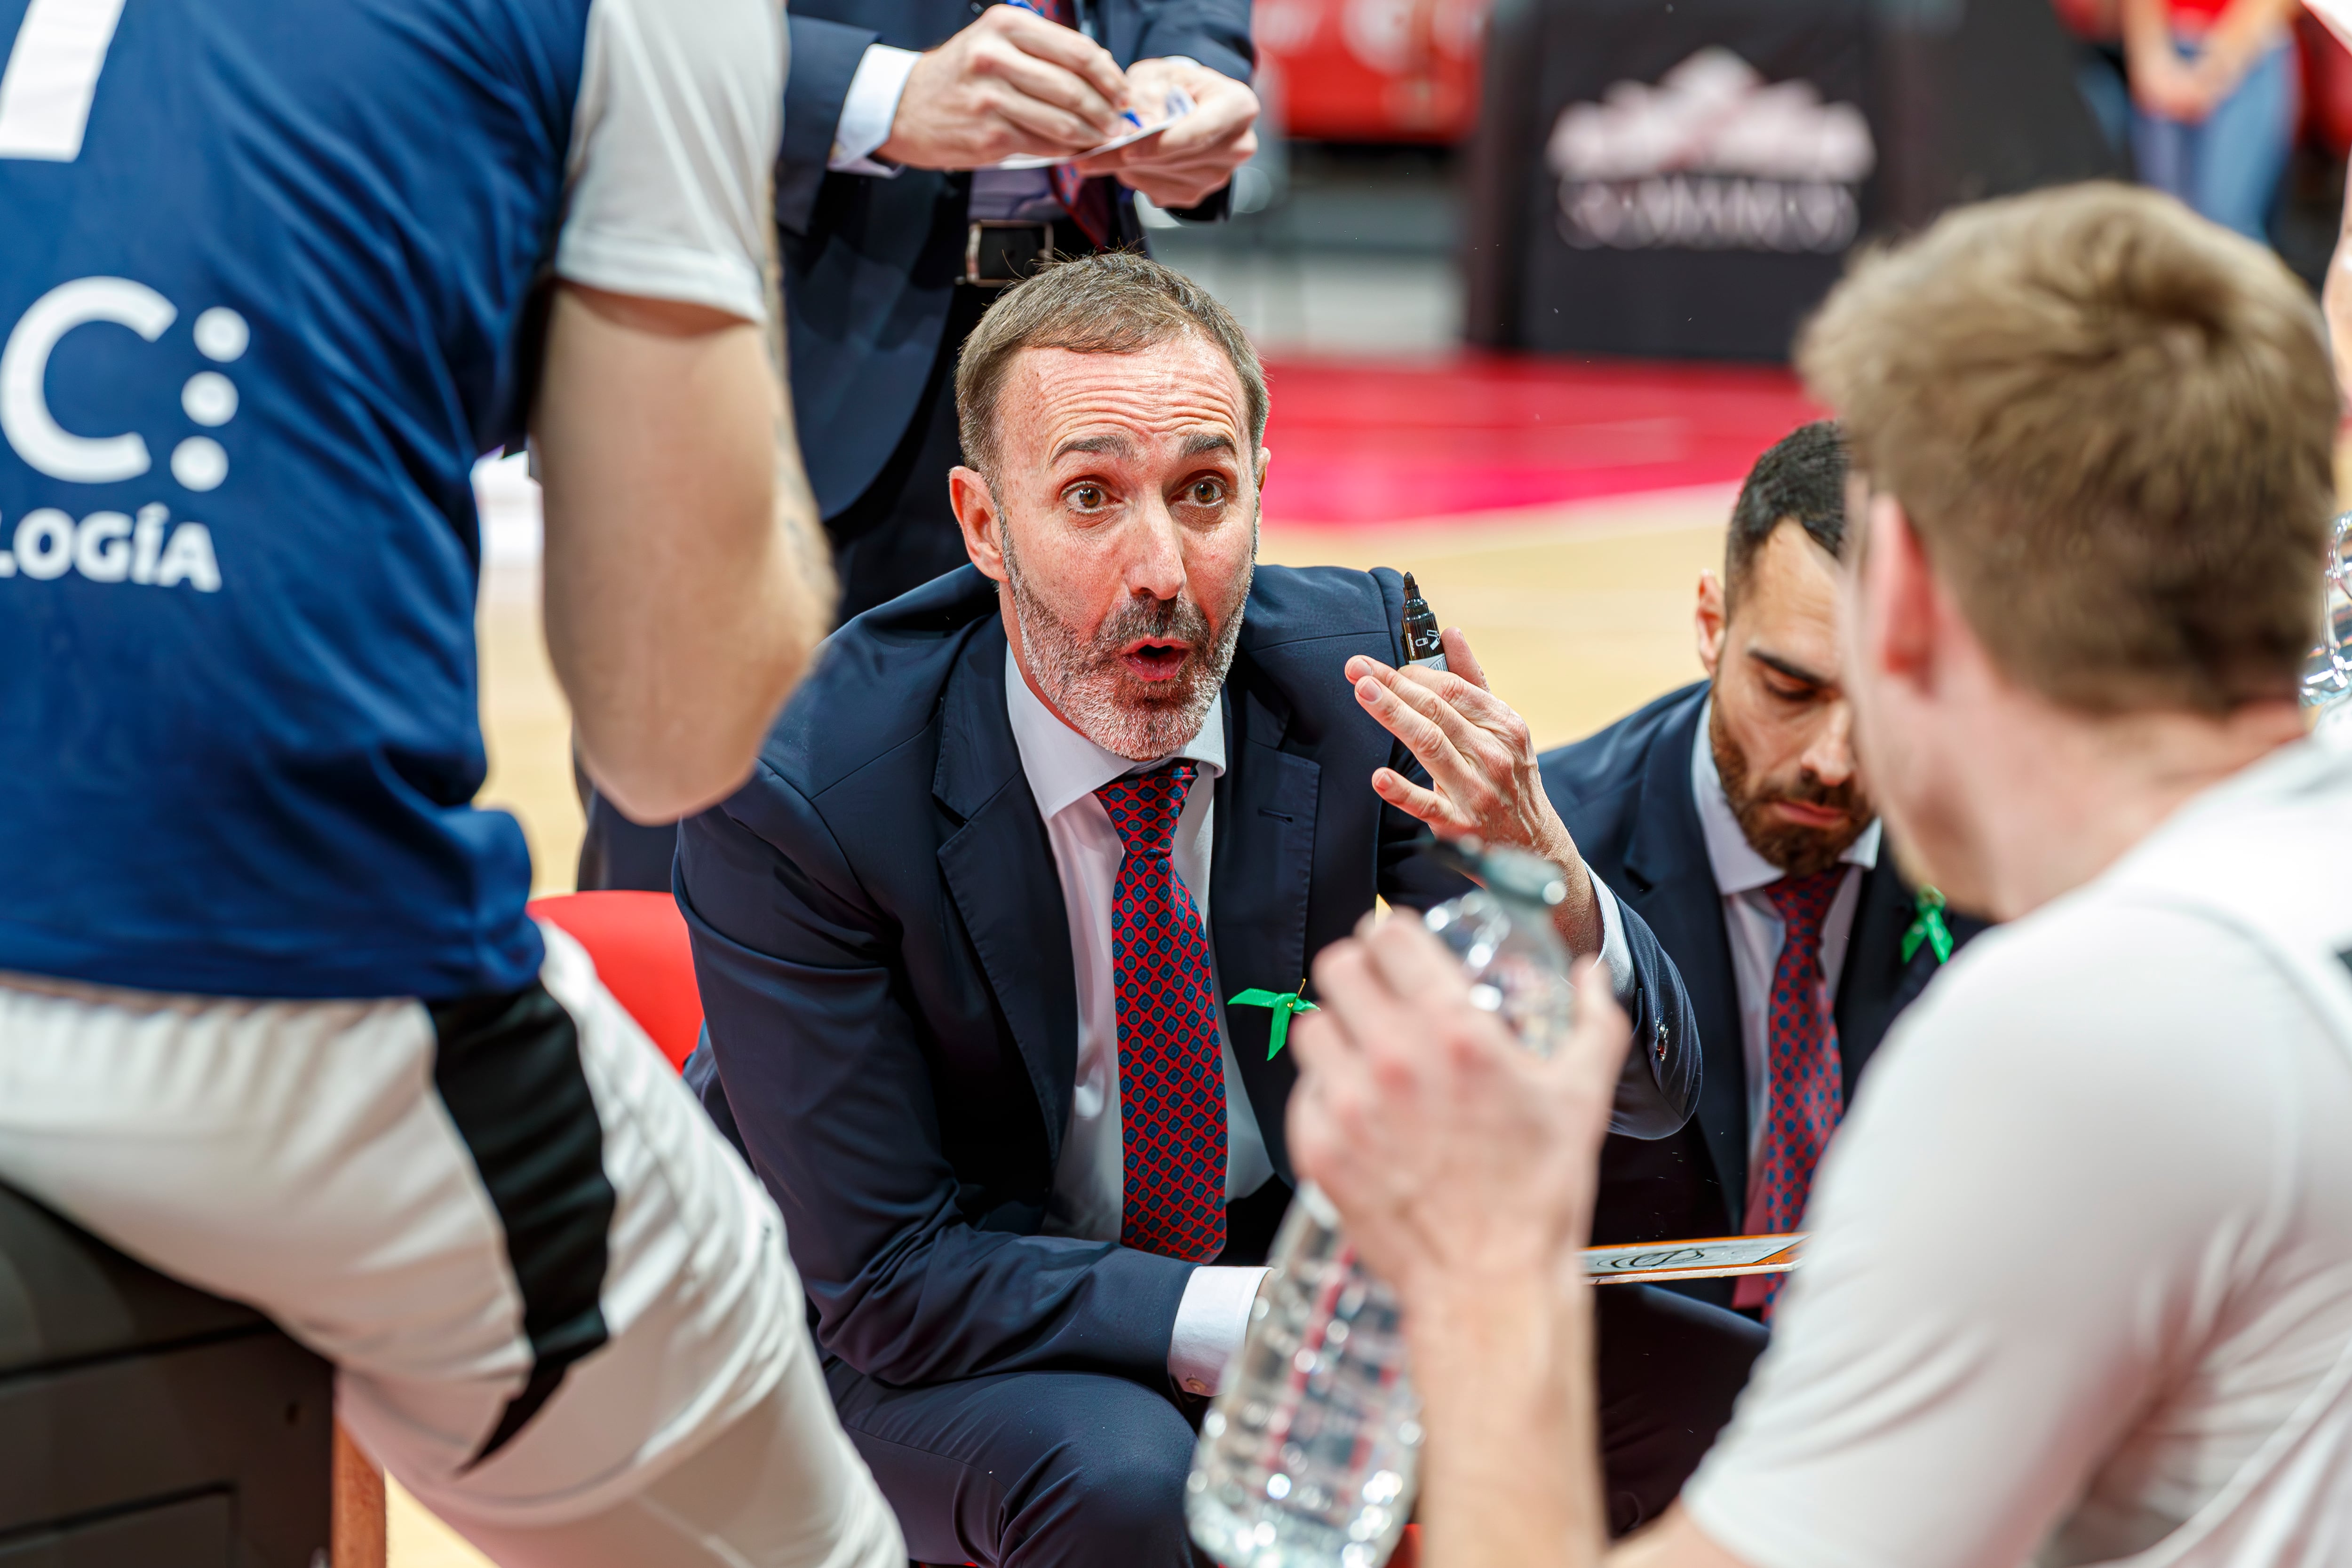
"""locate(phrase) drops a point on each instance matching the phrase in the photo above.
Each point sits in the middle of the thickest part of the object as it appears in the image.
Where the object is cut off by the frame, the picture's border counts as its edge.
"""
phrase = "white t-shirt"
(2080, 1286)
(671, 172)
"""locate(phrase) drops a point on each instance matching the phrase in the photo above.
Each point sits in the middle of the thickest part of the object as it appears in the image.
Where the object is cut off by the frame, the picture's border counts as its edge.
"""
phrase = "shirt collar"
(1737, 865)
(1065, 767)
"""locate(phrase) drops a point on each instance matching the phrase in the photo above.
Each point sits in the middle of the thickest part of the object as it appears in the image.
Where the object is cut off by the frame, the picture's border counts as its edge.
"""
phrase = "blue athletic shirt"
(265, 289)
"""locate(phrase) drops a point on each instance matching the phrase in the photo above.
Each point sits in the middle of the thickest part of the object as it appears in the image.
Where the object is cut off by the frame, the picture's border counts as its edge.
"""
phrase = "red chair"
(639, 944)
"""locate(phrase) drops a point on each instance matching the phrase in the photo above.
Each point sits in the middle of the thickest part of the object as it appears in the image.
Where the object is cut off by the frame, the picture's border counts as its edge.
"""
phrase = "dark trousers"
(1030, 1468)
(901, 533)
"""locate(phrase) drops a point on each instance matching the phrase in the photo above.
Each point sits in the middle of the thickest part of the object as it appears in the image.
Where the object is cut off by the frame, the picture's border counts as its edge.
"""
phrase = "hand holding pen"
(1009, 83)
(1196, 155)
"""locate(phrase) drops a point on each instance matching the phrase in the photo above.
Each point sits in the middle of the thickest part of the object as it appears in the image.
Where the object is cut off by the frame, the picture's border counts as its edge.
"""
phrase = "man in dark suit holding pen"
(968, 937)
(896, 236)
(1731, 816)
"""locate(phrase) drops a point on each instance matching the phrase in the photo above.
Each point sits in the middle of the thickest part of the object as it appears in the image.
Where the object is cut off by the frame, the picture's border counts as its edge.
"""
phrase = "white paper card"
(1178, 105)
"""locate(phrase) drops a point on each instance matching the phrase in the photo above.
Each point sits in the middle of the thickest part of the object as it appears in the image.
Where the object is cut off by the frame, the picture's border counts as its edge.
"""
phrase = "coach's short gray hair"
(1112, 302)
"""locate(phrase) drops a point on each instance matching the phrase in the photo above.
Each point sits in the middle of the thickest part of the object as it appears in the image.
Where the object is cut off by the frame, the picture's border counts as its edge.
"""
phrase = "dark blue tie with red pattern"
(1171, 1069)
(1806, 1098)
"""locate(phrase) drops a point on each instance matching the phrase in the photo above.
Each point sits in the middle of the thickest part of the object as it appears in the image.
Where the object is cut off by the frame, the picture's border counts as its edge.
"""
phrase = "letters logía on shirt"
(107, 546)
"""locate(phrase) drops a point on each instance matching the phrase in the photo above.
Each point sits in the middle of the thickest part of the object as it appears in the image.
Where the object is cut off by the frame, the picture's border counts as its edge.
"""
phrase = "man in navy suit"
(1731, 816)
(968, 937)
(896, 236)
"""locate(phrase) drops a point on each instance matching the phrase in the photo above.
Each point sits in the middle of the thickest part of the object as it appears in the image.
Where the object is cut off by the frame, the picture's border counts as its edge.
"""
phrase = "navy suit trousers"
(1040, 1469)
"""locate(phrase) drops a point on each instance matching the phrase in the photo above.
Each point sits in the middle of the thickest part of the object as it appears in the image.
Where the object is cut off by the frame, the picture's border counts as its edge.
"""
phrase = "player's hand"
(1481, 761)
(1011, 83)
(1462, 1162)
(1195, 158)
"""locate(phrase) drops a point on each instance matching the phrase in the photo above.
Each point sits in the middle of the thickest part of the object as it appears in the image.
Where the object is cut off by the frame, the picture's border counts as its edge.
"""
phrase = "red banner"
(1372, 70)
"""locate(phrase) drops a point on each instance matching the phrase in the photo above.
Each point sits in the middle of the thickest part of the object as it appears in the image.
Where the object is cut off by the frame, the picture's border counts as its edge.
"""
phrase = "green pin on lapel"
(1282, 1004)
(1928, 926)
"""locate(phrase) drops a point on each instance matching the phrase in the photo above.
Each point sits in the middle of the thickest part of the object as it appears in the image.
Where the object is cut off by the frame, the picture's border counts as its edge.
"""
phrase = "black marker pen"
(1421, 646)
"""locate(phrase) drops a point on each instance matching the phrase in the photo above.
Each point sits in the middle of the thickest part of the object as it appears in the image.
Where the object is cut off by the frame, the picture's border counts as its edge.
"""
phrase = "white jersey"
(2080, 1287)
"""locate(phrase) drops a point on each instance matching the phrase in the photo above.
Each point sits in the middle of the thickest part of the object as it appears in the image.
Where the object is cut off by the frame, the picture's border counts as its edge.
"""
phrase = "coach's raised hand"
(1481, 762)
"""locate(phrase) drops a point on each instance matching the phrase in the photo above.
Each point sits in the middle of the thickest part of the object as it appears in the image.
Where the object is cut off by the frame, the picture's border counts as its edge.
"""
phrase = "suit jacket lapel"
(1673, 888)
(1877, 984)
(1262, 867)
(999, 865)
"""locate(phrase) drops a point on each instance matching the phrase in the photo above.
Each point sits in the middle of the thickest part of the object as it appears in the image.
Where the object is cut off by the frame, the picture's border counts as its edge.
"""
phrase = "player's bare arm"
(686, 584)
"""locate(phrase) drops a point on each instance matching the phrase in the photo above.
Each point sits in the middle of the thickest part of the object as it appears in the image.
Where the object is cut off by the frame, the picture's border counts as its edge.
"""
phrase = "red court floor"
(1374, 441)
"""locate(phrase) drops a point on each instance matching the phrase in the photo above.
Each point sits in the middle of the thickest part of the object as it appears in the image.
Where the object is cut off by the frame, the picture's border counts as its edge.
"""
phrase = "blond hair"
(2111, 424)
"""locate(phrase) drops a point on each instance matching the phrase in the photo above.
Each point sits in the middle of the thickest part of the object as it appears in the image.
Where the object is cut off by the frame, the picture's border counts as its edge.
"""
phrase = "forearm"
(686, 582)
(954, 1301)
(1578, 917)
(2147, 31)
(1511, 1468)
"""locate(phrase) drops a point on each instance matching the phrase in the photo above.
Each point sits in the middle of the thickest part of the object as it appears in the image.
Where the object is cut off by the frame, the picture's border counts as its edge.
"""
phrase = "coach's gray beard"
(1101, 698)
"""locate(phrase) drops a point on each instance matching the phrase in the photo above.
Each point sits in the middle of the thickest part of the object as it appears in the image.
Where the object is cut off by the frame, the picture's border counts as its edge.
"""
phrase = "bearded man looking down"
(1733, 816)
(969, 939)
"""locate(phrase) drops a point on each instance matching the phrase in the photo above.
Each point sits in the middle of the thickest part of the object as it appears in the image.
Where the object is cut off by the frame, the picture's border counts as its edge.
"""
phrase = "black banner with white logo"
(1685, 178)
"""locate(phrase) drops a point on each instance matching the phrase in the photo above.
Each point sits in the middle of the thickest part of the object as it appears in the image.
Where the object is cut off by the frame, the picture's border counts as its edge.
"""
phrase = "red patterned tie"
(1171, 1069)
(1806, 1099)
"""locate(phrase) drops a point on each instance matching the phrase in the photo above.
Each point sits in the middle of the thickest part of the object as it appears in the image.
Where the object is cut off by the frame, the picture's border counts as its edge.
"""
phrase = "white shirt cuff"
(1615, 954)
(869, 110)
(1210, 1323)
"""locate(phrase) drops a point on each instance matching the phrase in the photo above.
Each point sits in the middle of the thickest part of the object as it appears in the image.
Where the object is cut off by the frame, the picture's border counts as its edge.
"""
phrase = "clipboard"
(1711, 1258)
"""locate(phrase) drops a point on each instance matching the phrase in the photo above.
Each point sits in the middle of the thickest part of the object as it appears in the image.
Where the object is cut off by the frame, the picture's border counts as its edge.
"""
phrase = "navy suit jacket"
(884, 962)
(869, 262)
(1625, 795)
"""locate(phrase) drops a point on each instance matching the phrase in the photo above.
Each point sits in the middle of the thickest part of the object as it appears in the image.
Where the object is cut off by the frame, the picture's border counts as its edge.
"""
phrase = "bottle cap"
(1506, 872)
(1422, 642)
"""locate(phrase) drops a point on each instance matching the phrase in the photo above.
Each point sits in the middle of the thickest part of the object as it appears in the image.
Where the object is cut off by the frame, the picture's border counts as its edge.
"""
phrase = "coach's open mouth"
(1155, 658)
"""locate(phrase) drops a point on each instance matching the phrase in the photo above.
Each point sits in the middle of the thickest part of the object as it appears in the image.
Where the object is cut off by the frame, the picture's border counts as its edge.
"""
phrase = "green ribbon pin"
(1928, 927)
(1285, 1003)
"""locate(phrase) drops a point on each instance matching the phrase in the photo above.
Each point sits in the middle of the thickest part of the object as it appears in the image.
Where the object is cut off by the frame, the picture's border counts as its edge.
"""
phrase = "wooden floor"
(1579, 612)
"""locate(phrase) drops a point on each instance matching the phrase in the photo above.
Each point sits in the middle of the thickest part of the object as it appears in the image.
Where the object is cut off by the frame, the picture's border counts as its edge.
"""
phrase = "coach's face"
(1122, 528)
(1780, 725)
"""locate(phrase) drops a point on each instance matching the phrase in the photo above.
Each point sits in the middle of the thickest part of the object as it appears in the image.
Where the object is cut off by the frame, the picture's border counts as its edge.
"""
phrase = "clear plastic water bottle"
(1312, 1456)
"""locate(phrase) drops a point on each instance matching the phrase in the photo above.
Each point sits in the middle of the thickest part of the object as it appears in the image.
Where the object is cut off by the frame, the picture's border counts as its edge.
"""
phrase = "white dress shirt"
(868, 109)
(1752, 924)
(1064, 769)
